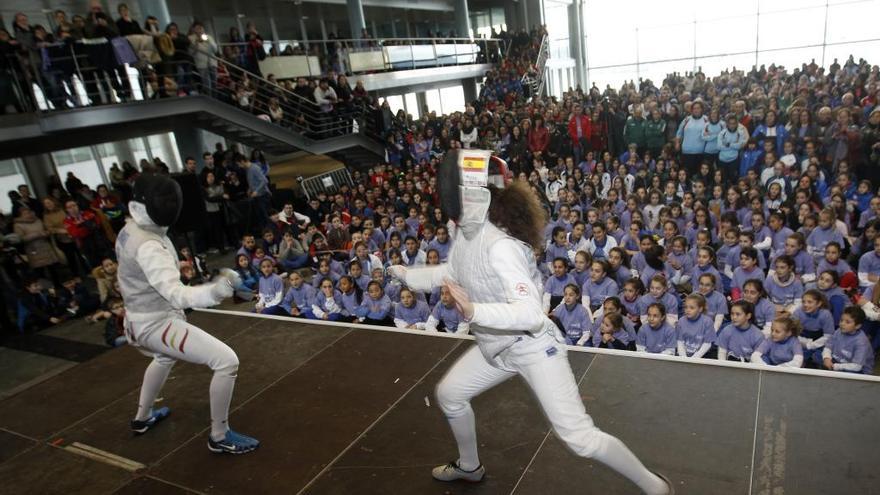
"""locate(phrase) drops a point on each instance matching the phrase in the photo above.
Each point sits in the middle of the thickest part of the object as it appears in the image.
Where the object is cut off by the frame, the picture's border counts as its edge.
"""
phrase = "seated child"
(783, 347)
(599, 286)
(783, 287)
(410, 312)
(375, 309)
(817, 323)
(299, 296)
(828, 283)
(748, 270)
(357, 274)
(271, 290)
(695, 332)
(327, 304)
(849, 349)
(765, 312)
(250, 277)
(445, 316)
(658, 292)
(612, 305)
(350, 295)
(656, 336)
(716, 303)
(555, 285)
(390, 286)
(114, 329)
(324, 271)
(572, 317)
(740, 339)
(612, 334)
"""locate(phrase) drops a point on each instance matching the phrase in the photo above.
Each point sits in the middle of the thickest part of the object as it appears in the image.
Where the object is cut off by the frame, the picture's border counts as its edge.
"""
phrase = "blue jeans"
(297, 262)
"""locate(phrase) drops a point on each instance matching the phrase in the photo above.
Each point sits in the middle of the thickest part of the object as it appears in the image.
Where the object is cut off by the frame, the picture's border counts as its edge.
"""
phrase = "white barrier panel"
(364, 61)
(408, 57)
(589, 350)
(288, 67)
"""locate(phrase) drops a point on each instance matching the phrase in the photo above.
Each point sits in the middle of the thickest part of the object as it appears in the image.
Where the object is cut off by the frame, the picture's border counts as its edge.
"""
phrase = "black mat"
(344, 411)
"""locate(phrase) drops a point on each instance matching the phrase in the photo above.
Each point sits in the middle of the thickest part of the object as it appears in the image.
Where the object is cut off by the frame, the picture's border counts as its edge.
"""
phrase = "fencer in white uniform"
(154, 297)
(496, 284)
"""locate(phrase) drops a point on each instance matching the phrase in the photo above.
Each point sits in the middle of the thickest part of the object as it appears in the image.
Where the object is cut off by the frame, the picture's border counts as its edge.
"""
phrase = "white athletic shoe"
(451, 472)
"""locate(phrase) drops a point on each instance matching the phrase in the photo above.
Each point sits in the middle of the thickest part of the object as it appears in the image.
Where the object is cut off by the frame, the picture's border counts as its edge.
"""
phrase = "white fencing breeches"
(173, 339)
(548, 373)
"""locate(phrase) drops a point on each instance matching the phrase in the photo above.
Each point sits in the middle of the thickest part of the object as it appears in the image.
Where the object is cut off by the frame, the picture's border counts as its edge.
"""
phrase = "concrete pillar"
(576, 41)
(39, 169)
(157, 9)
(469, 87)
(124, 152)
(320, 22)
(356, 20)
(422, 101)
(462, 19)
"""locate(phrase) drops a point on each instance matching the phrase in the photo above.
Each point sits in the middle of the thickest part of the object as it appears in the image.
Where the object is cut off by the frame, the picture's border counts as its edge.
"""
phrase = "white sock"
(221, 388)
(154, 378)
(614, 454)
(465, 433)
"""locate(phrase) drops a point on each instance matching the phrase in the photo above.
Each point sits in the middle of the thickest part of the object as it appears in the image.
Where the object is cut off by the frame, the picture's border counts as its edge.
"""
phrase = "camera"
(204, 37)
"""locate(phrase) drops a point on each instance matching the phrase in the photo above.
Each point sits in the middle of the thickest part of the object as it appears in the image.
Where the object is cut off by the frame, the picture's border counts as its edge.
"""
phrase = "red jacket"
(83, 227)
(586, 128)
(539, 139)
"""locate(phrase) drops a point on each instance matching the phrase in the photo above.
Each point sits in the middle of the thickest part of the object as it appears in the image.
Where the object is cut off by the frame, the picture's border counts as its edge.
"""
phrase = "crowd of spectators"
(733, 216)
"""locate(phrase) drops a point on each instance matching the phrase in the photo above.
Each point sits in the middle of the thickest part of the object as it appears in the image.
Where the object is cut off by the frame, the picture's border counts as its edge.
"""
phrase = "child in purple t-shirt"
(783, 347)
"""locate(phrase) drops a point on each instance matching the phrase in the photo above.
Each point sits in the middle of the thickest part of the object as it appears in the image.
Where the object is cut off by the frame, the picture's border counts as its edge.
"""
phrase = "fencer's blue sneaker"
(451, 472)
(234, 443)
(156, 415)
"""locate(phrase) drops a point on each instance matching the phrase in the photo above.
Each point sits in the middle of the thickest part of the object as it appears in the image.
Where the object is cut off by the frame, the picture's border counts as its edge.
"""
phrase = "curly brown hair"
(517, 211)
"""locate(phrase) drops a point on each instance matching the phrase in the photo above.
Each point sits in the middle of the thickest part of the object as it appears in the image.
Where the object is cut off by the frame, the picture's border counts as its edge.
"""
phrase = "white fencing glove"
(397, 271)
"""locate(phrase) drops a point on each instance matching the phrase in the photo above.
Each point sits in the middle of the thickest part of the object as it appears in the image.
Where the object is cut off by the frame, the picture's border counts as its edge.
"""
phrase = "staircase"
(535, 83)
(303, 126)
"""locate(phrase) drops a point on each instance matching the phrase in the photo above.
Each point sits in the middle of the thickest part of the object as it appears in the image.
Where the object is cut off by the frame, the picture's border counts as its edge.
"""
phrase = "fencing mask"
(161, 196)
(463, 179)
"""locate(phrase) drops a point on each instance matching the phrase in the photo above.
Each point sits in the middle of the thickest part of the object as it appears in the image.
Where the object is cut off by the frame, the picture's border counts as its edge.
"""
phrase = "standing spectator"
(325, 97)
(579, 127)
(842, 141)
(689, 139)
(83, 227)
(37, 243)
(257, 189)
(203, 49)
(125, 24)
(215, 204)
(539, 136)
(655, 133)
(634, 130)
(53, 221)
(732, 138)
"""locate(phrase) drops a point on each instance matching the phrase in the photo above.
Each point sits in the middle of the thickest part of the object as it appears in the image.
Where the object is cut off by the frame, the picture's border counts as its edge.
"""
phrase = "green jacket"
(634, 132)
(655, 133)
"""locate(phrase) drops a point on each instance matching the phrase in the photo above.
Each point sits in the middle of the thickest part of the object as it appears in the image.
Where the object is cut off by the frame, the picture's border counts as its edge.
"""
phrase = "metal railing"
(328, 182)
(64, 76)
(396, 53)
(536, 83)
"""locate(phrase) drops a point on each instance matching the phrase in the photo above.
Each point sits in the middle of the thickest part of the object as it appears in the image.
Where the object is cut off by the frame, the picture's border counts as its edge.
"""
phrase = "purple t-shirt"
(575, 321)
(656, 340)
(852, 348)
(776, 353)
(695, 333)
(740, 342)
